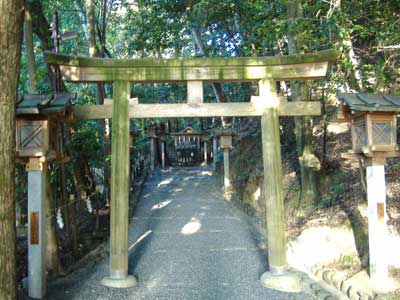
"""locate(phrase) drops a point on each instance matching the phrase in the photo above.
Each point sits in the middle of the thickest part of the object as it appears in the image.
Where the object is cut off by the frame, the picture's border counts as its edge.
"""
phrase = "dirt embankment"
(333, 233)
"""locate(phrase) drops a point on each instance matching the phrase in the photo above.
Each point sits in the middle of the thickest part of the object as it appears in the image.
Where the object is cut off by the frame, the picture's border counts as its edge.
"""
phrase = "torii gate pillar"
(277, 277)
(119, 277)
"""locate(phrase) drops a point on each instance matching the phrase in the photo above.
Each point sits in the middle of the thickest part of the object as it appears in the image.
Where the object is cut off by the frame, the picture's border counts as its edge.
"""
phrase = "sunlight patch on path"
(141, 238)
(191, 227)
(165, 182)
(161, 205)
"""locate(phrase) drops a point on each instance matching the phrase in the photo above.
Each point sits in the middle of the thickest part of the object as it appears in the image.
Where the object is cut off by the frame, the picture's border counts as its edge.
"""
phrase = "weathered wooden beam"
(119, 190)
(131, 101)
(242, 109)
(273, 191)
(84, 69)
(301, 71)
(195, 92)
(61, 59)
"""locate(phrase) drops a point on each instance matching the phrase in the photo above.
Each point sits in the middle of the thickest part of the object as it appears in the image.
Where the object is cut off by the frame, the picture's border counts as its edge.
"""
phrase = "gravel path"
(186, 242)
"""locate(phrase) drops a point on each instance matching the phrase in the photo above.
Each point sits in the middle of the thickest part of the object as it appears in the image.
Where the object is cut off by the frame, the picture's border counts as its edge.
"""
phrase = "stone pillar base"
(120, 282)
(285, 282)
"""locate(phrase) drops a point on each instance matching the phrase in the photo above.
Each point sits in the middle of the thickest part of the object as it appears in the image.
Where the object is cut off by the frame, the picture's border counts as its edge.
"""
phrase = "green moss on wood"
(312, 70)
(61, 59)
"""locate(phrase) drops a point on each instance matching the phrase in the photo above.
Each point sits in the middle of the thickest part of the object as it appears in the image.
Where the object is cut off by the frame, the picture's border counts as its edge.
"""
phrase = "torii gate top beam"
(194, 71)
(292, 67)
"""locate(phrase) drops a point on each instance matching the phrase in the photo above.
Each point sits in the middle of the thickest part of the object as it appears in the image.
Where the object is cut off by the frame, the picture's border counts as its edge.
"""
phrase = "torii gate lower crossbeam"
(268, 105)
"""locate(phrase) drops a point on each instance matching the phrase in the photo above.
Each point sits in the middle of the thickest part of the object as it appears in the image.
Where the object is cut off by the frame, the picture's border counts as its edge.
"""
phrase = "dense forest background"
(366, 33)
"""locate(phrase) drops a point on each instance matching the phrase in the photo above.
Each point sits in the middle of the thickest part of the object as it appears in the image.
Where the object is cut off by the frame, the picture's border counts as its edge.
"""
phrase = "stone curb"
(337, 281)
(316, 288)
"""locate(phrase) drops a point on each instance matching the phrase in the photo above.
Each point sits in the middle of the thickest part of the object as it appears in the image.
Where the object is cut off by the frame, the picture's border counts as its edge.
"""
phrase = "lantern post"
(163, 140)
(205, 140)
(225, 141)
(151, 134)
(373, 121)
(37, 143)
(215, 146)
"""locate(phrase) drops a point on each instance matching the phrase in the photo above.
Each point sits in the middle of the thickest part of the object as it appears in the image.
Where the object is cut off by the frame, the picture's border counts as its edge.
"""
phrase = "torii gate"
(268, 105)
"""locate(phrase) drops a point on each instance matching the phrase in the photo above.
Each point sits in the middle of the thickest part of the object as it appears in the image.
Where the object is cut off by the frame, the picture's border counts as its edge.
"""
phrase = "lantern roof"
(45, 104)
(371, 102)
(187, 131)
(224, 131)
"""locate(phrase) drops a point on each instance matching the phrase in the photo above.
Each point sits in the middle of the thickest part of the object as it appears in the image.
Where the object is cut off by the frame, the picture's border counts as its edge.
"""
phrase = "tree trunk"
(309, 163)
(41, 27)
(63, 195)
(10, 43)
(31, 66)
(216, 86)
(74, 230)
(53, 263)
(100, 92)
(30, 53)
(355, 80)
(20, 196)
(91, 28)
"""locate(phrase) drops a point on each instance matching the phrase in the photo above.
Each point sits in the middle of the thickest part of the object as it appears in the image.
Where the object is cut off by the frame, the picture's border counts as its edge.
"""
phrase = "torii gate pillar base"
(282, 281)
(120, 282)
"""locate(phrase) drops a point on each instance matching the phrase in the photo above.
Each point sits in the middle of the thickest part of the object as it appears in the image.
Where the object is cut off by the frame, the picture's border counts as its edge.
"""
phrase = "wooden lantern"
(225, 141)
(373, 120)
(374, 132)
(32, 138)
(38, 133)
(151, 131)
(225, 137)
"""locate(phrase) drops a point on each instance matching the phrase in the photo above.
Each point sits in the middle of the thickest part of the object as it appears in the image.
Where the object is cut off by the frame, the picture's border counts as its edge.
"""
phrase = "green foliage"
(338, 188)
(232, 28)
(219, 157)
(326, 201)
(85, 143)
(338, 176)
